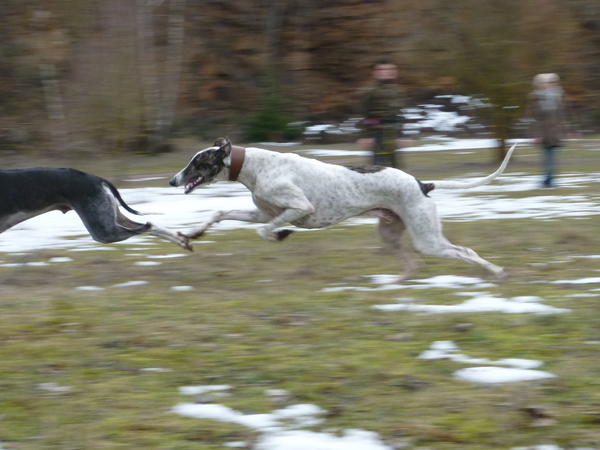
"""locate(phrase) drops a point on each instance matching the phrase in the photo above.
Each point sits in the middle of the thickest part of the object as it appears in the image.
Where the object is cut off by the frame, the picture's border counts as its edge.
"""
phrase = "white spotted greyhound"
(290, 189)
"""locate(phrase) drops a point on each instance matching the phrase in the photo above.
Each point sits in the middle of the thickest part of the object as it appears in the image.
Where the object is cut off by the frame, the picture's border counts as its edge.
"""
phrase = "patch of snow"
(197, 390)
(89, 288)
(278, 428)
(168, 256)
(386, 282)
(54, 388)
(155, 370)
(277, 393)
(498, 375)
(130, 284)
(60, 259)
(235, 444)
(147, 263)
(541, 447)
(304, 440)
(480, 304)
(182, 288)
(223, 413)
(135, 180)
(589, 280)
(90, 248)
(27, 264)
(449, 350)
(518, 369)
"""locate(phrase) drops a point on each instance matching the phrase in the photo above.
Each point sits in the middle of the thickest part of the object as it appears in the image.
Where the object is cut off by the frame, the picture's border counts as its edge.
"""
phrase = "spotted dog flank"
(290, 189)
(366, 169)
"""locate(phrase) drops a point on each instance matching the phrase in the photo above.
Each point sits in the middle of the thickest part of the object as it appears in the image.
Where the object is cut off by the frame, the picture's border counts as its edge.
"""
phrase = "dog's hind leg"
(107, 224)
(101, 223)
(177, 238)
(469, 255)
(425, 230)
(391, 233)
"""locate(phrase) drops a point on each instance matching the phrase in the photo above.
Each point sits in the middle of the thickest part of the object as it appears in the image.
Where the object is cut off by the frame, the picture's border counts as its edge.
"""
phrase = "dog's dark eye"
(197, 163)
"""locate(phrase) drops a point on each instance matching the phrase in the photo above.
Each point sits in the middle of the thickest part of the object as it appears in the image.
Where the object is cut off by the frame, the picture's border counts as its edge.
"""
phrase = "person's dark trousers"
(549, 165)
(384, 151)
(384, 159)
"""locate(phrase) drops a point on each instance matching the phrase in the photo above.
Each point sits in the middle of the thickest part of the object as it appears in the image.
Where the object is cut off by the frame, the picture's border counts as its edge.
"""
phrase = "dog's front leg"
(249, 215)
(268, 231)
(289, 199)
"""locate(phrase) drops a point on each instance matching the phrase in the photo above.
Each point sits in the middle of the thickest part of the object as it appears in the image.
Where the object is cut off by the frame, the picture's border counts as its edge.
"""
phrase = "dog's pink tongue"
(192, 184)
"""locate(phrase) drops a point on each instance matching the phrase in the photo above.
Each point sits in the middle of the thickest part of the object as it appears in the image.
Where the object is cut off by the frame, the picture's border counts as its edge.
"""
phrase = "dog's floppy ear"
(223, 144)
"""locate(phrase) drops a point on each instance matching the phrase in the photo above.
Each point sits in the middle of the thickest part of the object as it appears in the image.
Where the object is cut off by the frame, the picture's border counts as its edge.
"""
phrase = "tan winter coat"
(547, 109)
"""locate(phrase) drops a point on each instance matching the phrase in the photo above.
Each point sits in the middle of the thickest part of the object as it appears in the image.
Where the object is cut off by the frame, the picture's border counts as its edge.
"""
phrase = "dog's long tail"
(449, 184)
(117, 195)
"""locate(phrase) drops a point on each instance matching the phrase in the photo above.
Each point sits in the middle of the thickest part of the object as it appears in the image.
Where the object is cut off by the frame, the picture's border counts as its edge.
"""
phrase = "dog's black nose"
(172, 182)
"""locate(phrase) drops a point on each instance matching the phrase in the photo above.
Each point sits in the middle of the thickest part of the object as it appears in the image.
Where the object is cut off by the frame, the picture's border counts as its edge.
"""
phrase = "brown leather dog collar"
(237, 156)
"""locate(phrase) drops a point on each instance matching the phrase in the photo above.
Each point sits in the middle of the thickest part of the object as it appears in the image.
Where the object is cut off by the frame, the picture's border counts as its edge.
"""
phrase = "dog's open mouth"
(193, 184)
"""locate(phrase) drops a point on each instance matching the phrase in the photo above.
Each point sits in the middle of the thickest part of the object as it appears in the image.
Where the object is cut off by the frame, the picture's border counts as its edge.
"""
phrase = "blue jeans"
(549, 164)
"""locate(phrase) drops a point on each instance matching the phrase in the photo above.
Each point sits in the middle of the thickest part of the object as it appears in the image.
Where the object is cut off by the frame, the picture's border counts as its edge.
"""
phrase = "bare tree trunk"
(273, 27)
(148, 73)
(159, 88)
(173, 68)
(54, 103)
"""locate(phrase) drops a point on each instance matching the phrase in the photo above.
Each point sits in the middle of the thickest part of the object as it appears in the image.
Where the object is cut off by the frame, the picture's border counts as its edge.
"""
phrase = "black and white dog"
(290, 189)
(26, 193)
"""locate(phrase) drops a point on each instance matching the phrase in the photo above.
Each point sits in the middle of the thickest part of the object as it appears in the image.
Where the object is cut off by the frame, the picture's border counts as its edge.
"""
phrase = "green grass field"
(257, 319)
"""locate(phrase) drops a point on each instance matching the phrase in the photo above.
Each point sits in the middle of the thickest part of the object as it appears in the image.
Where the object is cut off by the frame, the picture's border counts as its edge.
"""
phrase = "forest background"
(130, 75)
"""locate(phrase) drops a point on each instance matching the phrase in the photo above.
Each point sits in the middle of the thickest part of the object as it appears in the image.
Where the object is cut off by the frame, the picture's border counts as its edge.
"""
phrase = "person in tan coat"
(547, 109)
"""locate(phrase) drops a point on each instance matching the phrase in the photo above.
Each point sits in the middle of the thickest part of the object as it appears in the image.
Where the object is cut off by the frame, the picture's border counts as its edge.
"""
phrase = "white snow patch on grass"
(482, 303)
(197, 390)
(89, 288)
(147, 263)
(449, 350)
(279, 428)
(304, 440)
(182, 288)
(498, 375)
(386, 282)
(518, 369)
(60, 259)
(130, 284)
(589, 280)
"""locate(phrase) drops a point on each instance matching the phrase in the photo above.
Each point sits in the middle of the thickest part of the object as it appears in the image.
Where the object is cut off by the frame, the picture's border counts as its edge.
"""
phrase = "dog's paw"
(267, 234)
(194, 235)
(282, 234)
(501, 275)
(184, 242)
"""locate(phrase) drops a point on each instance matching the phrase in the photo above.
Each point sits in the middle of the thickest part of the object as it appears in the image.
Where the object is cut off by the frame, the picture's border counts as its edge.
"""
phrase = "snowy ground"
(178, 211)
(287, 428)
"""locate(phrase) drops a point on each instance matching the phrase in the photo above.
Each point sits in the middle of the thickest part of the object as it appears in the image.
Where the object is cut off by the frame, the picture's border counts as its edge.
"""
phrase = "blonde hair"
(542, 78)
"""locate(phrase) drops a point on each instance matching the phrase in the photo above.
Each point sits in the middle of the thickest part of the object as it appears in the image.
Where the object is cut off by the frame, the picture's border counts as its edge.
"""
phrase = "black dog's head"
(204, 167)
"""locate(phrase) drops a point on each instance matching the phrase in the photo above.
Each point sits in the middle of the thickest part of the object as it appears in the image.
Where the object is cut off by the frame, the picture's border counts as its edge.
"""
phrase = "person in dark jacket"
(380, 107)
